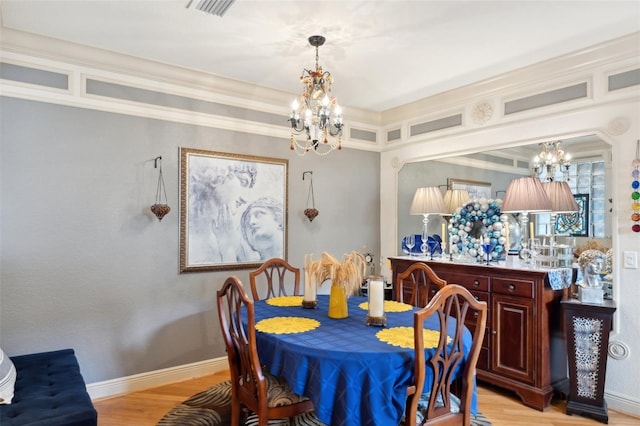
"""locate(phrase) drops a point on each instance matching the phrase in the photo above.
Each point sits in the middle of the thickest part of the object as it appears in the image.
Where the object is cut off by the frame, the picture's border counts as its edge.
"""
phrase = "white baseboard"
(622, 403)
(151, 379)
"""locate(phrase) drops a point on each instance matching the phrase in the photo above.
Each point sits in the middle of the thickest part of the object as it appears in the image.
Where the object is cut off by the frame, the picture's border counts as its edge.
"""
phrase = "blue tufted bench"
(49, 391)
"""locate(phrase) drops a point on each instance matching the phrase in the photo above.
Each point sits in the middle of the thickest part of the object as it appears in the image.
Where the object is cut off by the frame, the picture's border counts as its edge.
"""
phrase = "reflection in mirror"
(589, 173)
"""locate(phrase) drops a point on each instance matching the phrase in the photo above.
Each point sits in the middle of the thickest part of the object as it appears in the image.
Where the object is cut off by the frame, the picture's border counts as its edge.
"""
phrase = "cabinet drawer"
(512, 287)
(471, 282)
(480, 297)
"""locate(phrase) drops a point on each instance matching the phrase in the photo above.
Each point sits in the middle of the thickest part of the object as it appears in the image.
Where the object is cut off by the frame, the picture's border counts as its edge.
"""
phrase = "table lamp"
(426, 201)
(562, 200)
(455, 198)
(525, 195)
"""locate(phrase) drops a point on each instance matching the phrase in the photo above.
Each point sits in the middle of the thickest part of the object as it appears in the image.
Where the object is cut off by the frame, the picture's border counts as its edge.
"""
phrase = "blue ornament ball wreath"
(492, 223)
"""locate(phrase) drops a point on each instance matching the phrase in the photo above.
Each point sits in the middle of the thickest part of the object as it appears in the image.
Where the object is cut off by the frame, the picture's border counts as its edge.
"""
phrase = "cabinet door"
(512, 337)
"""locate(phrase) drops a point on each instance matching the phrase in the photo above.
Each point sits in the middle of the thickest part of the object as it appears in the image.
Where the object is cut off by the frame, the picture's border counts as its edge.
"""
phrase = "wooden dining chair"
(277, 273)
(417, 284)
(455, 308)
(268, 396)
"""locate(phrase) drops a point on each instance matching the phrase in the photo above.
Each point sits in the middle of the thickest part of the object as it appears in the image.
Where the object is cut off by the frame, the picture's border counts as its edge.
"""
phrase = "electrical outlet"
(630, 259)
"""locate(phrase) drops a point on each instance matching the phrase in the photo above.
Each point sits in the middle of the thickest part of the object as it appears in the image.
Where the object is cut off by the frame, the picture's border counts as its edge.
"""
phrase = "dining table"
(355, 374)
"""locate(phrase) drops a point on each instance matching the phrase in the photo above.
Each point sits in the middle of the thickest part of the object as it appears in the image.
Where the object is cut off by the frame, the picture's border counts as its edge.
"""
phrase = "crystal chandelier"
(318, 115)
(551, 157)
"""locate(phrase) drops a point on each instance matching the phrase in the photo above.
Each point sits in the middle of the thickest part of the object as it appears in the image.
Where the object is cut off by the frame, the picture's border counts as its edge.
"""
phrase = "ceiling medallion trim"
(482, 112)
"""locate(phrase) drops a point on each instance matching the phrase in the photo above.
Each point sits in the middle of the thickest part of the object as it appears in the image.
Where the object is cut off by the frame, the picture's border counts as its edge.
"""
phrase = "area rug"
(212, 407)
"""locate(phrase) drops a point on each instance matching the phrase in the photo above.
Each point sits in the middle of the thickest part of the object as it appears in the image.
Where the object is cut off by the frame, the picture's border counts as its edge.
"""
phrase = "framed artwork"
(576, 224)
(474, 188)
(233, 210)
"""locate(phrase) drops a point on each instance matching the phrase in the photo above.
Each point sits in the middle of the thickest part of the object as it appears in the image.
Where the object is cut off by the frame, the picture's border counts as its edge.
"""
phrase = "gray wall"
(85, 264)
(433, 173)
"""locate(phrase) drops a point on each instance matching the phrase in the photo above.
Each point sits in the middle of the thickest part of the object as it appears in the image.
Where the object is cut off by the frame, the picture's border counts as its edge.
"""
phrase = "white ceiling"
(382, 53)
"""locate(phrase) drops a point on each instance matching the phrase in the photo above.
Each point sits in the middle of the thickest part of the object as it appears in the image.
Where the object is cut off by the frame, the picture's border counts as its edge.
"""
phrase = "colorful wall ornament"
(635, 186)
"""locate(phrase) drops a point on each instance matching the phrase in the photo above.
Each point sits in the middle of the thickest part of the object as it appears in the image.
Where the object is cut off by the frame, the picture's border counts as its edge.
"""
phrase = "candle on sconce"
(376, 298)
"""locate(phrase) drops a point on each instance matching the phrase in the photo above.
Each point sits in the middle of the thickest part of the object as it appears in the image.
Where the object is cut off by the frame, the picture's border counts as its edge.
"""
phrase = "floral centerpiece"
(345, 277)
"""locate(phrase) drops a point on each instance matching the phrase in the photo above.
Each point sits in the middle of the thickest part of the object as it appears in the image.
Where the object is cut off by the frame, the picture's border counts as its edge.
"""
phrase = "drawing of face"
(227, 185)
(229, 192)
(262, 227)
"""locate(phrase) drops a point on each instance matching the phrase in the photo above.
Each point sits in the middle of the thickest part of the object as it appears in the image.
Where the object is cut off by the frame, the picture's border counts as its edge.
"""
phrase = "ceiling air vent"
(213, 7)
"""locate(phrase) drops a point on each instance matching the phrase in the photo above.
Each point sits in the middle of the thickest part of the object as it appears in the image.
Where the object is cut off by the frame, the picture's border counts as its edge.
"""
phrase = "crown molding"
(89, 57)
(624, 49)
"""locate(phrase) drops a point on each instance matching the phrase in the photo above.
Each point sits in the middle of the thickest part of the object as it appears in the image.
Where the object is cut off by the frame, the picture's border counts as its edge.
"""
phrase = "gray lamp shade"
(428, 200)
(455, 198)
(561, 197)
(526, 195)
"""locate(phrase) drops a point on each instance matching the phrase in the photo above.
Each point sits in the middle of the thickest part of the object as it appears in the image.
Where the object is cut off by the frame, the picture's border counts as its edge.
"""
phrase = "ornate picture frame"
(475, 189)
(233, 210)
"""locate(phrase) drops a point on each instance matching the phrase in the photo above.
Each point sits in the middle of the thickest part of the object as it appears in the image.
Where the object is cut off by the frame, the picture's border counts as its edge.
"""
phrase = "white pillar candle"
(443, 235)
(507, 245)
(309, 287)
(531, 231)
(376, 298)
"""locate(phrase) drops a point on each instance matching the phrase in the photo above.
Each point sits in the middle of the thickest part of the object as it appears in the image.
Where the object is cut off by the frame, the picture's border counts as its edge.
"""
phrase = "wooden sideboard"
(524, 348)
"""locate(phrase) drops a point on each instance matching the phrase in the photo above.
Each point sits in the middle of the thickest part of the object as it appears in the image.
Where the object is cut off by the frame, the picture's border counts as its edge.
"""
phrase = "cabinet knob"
(512, 287)
(476, 283)
(494, 332)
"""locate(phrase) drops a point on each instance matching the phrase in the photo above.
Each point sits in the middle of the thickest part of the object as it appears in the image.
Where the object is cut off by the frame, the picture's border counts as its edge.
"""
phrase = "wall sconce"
(160, 209)
(310, 212)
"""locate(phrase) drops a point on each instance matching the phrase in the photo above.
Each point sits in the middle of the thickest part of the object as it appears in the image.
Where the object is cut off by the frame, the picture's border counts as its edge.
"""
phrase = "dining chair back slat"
(278, 274)
(417, 284)
(454, 307)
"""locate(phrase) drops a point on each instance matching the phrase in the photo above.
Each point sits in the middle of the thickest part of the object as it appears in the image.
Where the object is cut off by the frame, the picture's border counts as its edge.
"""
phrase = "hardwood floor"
(502, 408)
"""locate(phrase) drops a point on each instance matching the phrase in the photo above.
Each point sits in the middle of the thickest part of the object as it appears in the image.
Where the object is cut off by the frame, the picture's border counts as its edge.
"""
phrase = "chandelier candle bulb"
(376, 298)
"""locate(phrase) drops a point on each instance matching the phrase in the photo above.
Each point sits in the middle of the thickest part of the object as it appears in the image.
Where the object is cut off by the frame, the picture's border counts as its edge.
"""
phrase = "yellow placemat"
(286, 325)
(403, 337)
(285, 301)
(389, 306)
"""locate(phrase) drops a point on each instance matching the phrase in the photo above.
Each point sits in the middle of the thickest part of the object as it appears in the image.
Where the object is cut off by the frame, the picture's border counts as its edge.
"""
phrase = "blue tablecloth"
(351, 377)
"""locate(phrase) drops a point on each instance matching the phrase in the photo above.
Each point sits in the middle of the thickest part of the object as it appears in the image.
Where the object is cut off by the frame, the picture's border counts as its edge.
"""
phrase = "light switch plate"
(630, 260)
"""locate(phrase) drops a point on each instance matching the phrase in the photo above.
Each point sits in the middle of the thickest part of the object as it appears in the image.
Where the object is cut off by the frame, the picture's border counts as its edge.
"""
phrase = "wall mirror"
(590, 173)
